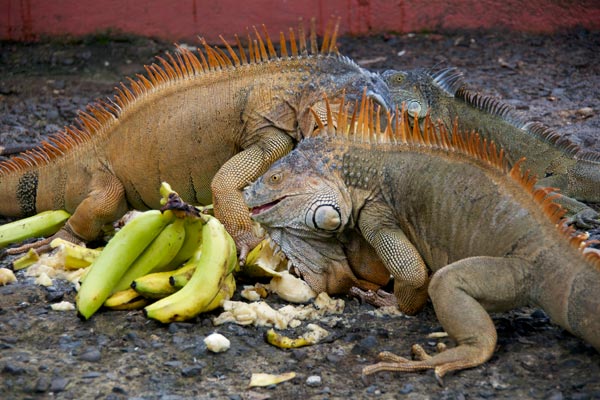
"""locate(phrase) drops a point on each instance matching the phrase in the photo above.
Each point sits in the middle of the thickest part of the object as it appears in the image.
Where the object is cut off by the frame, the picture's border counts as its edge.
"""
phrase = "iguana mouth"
(260, 209)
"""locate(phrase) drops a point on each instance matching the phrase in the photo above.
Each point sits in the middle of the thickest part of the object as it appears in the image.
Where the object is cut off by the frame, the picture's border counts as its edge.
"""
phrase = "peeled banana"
(120, 252)
(45, 223)
(213, 260)
(73, 255)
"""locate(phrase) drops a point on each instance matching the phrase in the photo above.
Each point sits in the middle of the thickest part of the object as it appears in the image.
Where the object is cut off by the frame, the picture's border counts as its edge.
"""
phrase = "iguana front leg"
(239, 171)
(462, 294)
(399, 255)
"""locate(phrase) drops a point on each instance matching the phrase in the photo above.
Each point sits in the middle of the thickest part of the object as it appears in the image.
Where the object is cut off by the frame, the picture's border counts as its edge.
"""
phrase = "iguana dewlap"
(426, 202)
(208, 124)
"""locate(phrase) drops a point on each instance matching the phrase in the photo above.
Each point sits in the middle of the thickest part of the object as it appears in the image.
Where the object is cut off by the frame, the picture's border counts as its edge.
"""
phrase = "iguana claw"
(585, 219)
(43, 245)
(379, 298)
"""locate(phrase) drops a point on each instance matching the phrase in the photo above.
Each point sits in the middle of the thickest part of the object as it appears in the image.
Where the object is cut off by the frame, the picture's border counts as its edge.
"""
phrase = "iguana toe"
(379, 298)
(586, 219)
(43, 245)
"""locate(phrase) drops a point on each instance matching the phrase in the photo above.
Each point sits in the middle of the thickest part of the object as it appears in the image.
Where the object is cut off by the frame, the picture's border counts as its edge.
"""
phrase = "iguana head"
(303, 205)
(301, 191)
(422, 91)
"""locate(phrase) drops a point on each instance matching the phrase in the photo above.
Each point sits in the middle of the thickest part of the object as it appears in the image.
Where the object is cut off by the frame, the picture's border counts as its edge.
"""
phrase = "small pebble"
(91, 355)
(42, 385)
(191, 371)
(313, 380)
(58, 384)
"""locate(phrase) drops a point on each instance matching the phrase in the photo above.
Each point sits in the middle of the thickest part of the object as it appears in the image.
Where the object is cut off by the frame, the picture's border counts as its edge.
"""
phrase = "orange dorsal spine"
(365, 125)
(183, 65)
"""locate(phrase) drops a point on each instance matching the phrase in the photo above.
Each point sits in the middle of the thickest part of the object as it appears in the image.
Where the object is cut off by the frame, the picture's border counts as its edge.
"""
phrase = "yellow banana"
(157, 255)
(127, 299)
(45, 223)
(120, 252)
(226, 291)
(155, 285)
(182, 276)
(133, 305)
(213, 259)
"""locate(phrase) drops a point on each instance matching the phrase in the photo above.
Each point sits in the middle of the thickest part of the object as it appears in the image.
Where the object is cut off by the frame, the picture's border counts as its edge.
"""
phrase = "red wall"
(184, 19)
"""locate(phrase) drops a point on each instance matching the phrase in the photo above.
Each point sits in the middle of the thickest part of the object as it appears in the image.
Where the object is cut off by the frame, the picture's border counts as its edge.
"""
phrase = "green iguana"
(558, 162)
(431, 202)
(208, 124)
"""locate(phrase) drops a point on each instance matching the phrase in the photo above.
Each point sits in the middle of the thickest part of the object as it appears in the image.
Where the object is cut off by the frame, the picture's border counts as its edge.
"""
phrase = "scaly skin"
(491, 240)
(557, 161)
(207, 124)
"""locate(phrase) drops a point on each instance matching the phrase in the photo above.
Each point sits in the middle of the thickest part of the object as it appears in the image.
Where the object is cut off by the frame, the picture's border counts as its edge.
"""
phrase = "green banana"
(155, 285)
(157, 255)
(120, 252)
(45, 223)
(193, 238)
(212, 260)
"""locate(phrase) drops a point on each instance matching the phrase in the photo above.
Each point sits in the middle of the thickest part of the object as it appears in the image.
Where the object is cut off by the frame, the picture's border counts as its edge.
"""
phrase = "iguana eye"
(275, 178)
(399, 78)
(325, 217)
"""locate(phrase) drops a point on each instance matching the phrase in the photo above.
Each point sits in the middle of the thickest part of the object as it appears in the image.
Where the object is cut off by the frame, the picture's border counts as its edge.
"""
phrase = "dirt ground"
(122, 355)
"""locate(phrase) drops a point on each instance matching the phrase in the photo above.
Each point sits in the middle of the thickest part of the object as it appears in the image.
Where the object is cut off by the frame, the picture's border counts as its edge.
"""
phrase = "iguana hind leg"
(239, 171)
(462, 294)
(104, 204)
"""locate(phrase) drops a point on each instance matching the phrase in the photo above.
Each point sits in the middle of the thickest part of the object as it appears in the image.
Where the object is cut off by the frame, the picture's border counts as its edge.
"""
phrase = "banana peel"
(262, 379)
(74, 256)
(313, 336)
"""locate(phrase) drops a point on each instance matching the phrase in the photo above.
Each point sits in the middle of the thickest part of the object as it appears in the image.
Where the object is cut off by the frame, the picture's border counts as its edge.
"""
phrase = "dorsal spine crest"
(364, 127)
(171, 68)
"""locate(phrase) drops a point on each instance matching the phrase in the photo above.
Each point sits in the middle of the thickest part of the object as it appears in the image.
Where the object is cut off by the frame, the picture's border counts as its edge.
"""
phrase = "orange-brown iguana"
(558, 162)
(428, 202)
(207, 124)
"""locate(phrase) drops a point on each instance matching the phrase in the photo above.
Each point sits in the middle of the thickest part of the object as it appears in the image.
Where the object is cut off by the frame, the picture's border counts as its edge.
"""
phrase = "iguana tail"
(567, 286)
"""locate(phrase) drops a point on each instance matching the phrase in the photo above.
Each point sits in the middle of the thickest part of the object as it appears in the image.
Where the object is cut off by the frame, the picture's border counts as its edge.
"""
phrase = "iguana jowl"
(425, 201)
(217, 114)
(557, 161)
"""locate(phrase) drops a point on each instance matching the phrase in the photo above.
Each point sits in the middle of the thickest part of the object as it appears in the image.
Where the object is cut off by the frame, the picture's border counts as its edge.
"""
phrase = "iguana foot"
(585, 219)
(392, 362)
(245, 243)
(43, 245)
(457, 358)
(379, 298)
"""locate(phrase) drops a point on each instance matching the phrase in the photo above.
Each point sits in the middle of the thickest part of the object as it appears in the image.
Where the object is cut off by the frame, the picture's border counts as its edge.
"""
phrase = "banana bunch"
(179, 255)
(108, 269)
(211, 282)
(45, 223)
